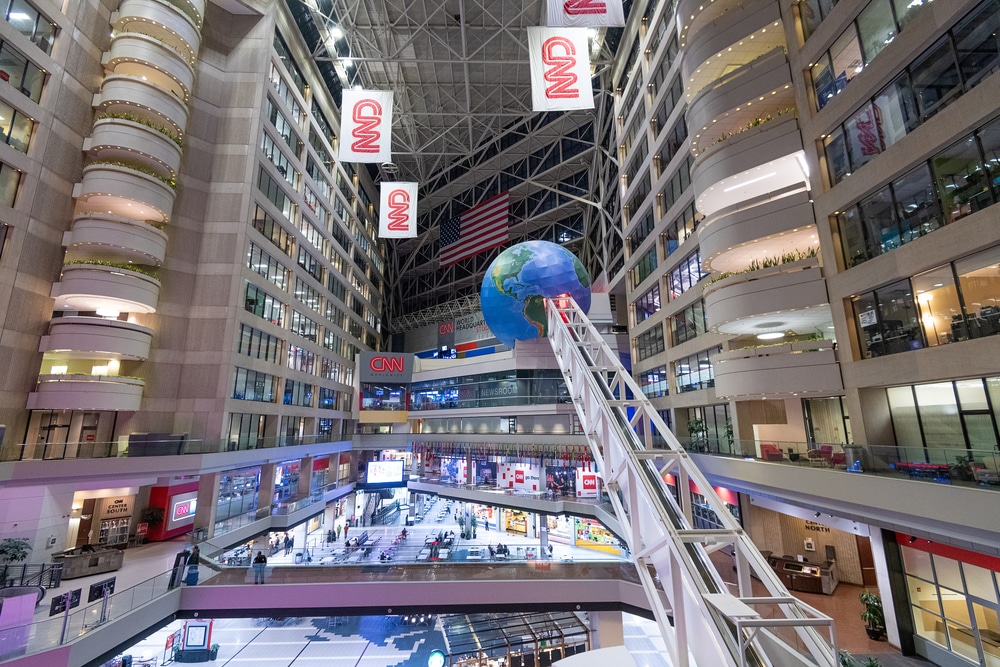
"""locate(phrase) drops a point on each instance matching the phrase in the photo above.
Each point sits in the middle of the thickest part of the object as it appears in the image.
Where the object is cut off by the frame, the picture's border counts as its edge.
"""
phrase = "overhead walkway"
(702, 622)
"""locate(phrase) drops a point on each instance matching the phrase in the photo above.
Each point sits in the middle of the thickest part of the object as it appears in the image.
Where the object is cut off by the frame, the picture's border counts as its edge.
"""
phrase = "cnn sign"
(386, 367)
(560, 69)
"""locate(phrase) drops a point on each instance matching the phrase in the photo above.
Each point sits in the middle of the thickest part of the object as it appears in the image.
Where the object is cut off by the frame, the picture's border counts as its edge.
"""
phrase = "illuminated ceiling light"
(770, 335)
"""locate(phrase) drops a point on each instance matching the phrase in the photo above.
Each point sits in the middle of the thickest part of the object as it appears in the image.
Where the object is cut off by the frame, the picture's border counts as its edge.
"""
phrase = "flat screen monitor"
(97, 590)
(384, 472)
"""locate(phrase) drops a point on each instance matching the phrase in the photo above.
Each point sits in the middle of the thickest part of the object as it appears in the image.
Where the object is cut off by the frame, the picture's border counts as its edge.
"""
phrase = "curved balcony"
(808, 367)
(162, 21)
(144, 57)
(121, 94)
(120, 139)
(96, 337)
(763, 159)
(100, 288)
(729, 105)
(122, 191)
(788, 297)
(192, 8)
(114, 238)
(739, 36)
(767, 227)
(86, 392)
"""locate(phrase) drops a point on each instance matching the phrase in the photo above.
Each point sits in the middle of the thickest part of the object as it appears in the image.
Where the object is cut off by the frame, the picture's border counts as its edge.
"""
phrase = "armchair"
(769, 452)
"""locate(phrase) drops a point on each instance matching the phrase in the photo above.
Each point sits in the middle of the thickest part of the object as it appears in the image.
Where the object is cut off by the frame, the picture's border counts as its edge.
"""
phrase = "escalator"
(703, 622)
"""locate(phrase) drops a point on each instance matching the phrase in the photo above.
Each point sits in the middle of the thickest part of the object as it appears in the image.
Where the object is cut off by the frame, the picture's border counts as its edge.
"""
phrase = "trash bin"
(191, 578)
(298, 558)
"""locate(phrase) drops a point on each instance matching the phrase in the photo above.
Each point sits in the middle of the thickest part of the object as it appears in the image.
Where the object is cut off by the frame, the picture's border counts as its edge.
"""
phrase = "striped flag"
(481, 228)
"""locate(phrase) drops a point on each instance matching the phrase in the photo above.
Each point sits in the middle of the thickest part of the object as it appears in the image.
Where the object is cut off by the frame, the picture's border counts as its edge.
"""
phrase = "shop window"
(982, 584)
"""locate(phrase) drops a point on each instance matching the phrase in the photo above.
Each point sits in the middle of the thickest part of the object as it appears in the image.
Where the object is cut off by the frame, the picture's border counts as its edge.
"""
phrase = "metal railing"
(949, 465)
(46, 575)
(168, 446)
(38, 636)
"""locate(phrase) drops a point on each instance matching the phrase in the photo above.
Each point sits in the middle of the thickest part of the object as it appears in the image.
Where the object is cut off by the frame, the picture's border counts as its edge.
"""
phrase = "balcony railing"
(164, 446)
(941, 465)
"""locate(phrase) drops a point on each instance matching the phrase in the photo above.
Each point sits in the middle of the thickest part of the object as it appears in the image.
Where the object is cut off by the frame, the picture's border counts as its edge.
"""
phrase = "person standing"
(191, 578)
(289, 543)
(259, 565)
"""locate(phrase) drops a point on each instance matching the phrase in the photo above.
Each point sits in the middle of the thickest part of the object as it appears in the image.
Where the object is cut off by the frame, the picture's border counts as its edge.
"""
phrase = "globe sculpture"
(518, 282)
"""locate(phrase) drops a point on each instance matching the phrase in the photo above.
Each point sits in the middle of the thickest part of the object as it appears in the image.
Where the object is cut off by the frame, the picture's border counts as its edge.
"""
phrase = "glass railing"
(166, 446)
(939, 464)
(64, 628)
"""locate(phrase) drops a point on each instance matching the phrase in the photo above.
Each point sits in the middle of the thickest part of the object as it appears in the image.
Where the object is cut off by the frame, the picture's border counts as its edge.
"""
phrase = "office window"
(688, 324)
(20, 72)
(266, 266)
(654, 382)
(307, 295)
(939, 421)
(694, 372)
(887, 320)
(297, 393)
(976, 43)
(4, 233)
(274, 193)
(301, 359)
(648, 304)
(979, 285)
(876, 27)
(304, 326)
(962, 179)
(262, 304)
(643, 268)
(30, 22)
(936, 81)
(310, 264)
(257, 344)
(649, 343)
(272, 230)
(250, 385)
(246, 431)
(15, 128)
(812, 13)
(686, 275)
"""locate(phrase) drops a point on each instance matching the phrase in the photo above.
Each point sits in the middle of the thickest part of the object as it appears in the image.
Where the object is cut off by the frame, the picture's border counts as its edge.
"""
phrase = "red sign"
(183, 509)
(578, 7)
(590, 482)
(386, 364)
(446, 328)
(399, 211)
(519, 477)
(367, 115)
(559, 57)
(142, 529)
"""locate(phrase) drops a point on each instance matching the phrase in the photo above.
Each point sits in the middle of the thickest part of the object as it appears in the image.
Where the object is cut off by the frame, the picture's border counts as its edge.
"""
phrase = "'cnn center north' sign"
(386, 367)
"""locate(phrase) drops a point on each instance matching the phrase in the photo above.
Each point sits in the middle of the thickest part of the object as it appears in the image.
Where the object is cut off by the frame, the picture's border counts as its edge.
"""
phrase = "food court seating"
(986, 476)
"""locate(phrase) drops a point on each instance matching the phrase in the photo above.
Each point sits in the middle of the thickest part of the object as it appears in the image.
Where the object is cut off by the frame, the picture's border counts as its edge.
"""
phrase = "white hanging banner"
(560, 69)
(398, 211)
(366, 126)
(586, 13)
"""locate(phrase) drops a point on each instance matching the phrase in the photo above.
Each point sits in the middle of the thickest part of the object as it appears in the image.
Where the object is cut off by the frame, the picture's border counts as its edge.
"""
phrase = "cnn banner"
(560, 69)
(586, 13)
(398, 211)
(366, 126)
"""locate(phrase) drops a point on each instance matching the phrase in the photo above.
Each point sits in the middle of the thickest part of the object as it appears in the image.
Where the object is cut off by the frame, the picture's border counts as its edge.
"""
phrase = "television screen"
(96, 591)
(385, 472)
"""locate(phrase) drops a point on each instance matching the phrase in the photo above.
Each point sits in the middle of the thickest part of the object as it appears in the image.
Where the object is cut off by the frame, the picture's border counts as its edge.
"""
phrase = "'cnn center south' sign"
(386, 367)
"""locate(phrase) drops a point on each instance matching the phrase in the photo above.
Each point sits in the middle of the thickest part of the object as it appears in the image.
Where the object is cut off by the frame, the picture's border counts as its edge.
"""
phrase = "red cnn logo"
(579, 7)
(446, 328)
(559, 55)
(368, 116)
(519, 477)
(182, 510)
(386, 364)
(590, 482)
(399, 211)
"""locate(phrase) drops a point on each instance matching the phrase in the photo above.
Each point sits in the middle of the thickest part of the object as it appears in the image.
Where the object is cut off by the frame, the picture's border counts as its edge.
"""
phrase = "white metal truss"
(698, 615)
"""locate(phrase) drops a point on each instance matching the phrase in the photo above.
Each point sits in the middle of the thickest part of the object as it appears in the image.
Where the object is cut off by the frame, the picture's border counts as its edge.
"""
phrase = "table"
(474, 554)
(424, 554)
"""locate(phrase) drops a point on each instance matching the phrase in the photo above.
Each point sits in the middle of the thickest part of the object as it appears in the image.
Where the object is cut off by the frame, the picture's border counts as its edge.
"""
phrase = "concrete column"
(543, 535)
(305, 476)
(265, 492)
(208, 503)
(606, 629)
(470, 477)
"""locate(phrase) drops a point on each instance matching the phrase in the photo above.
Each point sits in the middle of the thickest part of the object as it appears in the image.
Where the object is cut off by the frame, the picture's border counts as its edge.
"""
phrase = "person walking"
(289, 543)
(191, 578)
(259, 564)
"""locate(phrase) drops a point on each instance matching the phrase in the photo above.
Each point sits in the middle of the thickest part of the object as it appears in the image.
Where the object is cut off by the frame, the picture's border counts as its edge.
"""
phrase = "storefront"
(102, 517)
(177, 505)
(954, 602)
(561, 530)
(591, 534)
(516, 522)
(237, 493)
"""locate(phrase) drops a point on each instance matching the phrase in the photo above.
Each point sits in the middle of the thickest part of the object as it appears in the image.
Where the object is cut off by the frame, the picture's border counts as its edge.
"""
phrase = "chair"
(986, 476)
(838, 459)
(769, 452)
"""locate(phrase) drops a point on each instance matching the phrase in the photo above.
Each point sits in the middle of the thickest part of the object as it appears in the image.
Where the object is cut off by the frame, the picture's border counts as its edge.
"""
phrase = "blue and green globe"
(518, 282)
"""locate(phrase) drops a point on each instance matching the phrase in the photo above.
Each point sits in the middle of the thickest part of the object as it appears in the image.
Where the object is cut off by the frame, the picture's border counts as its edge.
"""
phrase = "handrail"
(695, 611)
(61, 629)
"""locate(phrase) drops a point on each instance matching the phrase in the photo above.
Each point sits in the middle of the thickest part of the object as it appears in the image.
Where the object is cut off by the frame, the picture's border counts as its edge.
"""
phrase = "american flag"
(479, 229)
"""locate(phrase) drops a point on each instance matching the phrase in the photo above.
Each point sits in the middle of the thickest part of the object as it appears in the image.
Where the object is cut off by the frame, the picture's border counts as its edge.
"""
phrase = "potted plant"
(152, 516)
(871, 662)
(14, 549)
(698, 432)
(472, 525)
(213, 652)
(873, 615)
(845, 659)
(461, 526)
